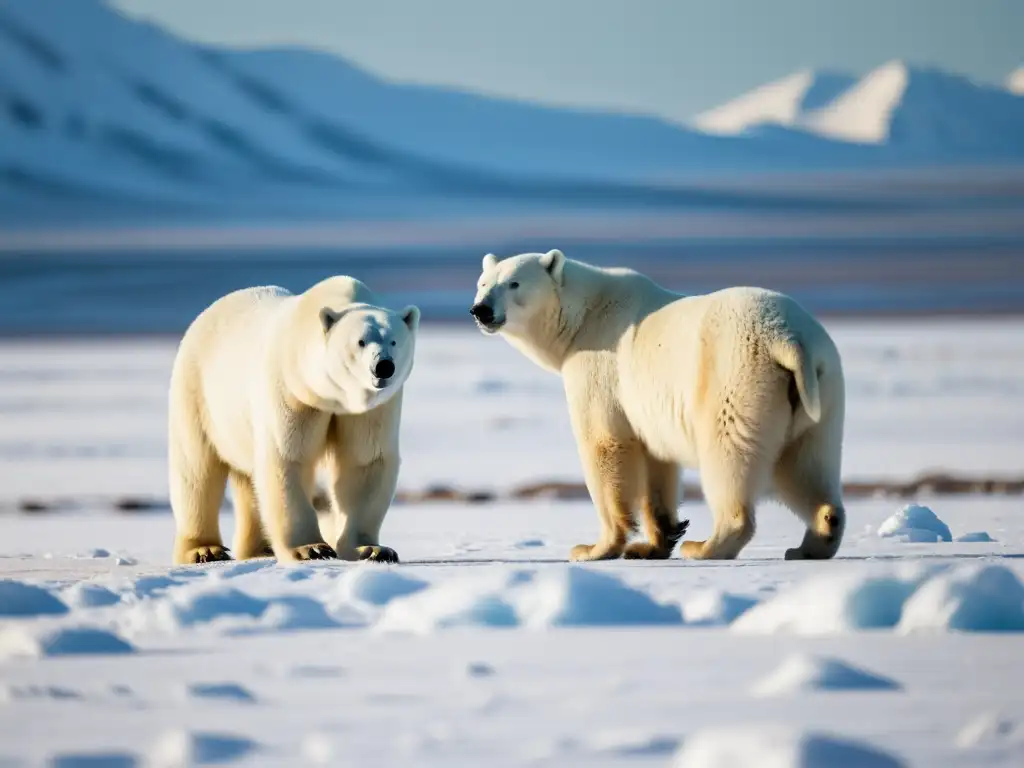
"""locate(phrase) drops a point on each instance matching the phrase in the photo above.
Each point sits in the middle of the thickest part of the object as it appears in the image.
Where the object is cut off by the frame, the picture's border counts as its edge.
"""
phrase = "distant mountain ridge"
(915, 111)
(97, 107)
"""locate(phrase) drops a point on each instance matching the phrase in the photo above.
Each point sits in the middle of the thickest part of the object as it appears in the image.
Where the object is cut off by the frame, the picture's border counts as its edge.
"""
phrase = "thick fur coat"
(742, 384)
(266, 388)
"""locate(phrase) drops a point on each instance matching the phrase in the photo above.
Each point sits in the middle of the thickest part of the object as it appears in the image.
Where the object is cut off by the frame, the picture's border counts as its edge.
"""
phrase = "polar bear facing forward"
(267, 387)
(742, 384)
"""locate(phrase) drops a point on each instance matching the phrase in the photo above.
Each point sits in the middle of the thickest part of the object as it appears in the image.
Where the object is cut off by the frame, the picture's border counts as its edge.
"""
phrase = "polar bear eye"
(513, 285)
(393, 343)
(362, 343)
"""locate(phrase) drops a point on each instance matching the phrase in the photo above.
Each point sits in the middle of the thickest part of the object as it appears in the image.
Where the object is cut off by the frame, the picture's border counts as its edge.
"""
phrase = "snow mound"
(990, 730)
(970, 598)
(974, 598)
(975, 537)
(568, 597)
(21, 642)
(777, 748)
(714, 608)
(232, 570)
(85, 595)
(478, 601)
(149, 586)
(190, 606)
(801, 673)
(580, 597)
(220, 692)
(19, 599)
(780, 102)
(369, 583)
(178, 749)
(295, 612)
(832, 603)
(915, 523)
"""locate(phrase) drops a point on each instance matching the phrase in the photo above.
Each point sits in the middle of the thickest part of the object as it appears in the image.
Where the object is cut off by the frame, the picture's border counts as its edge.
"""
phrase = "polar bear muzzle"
(383, 370)
(483, 313)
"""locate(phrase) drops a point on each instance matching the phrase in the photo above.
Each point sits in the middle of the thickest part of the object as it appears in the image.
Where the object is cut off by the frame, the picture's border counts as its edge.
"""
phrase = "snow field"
(485, 647)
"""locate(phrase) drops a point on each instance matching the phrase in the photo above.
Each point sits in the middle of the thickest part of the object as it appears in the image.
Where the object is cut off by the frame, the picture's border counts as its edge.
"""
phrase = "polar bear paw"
(211, 554)
(588, 552)
(377, 554)
(662, 547)
(644, 550)
(319, 551)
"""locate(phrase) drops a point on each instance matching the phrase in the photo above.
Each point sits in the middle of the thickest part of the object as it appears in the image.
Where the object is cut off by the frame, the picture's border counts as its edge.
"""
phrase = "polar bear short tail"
(791, 355)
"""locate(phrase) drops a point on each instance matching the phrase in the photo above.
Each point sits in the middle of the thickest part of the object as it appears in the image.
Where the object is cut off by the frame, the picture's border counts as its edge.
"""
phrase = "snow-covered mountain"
(92, 103)
(1015, 81)
(924, 111)
(780, 102)
(95, 106)
(911, 112)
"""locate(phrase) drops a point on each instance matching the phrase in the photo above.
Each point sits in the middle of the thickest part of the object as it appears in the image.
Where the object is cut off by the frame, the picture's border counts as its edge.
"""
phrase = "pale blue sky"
(667, 57)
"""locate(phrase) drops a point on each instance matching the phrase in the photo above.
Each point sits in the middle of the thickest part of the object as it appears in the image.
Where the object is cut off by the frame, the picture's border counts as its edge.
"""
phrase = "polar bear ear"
(411, 317)
(328, 317)
(554, 262)
(490, 261)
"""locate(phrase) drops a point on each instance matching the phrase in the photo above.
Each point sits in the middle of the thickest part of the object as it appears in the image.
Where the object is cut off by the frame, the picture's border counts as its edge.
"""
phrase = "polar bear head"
(369, 352)
(517, 293)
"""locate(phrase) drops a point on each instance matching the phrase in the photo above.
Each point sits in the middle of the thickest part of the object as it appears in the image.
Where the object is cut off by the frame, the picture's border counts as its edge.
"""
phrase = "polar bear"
(742, 384)
(266, 388)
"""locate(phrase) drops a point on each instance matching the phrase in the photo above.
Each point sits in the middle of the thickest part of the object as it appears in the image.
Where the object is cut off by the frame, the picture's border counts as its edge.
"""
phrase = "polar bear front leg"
(289, 518)
(362, 497)
(612, 468)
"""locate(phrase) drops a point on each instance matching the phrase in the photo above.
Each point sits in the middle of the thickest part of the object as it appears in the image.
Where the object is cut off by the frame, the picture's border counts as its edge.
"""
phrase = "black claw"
(378, 554)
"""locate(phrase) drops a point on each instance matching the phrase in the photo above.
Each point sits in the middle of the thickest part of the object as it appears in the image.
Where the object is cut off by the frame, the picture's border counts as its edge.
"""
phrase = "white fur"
(742, 384)
(266, 387)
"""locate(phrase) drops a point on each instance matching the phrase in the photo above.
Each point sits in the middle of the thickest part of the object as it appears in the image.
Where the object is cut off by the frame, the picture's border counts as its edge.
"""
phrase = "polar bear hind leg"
(659, 513)
(726, 479)
(738, 453)
(250, 539)
(807, 480)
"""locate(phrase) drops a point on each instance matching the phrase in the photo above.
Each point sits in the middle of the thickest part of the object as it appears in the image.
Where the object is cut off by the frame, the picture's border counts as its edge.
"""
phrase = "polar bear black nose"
(483, 313)
(384, 369)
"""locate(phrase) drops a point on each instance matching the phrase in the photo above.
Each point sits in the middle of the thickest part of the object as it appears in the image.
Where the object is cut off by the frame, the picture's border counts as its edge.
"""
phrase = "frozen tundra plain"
(485, 647)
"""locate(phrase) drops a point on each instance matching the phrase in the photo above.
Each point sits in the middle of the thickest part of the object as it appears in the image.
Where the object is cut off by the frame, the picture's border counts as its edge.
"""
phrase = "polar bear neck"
(594, 308)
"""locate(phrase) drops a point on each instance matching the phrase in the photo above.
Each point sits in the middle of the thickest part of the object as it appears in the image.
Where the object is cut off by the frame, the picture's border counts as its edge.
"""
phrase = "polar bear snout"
(484, 315)
(384, 369)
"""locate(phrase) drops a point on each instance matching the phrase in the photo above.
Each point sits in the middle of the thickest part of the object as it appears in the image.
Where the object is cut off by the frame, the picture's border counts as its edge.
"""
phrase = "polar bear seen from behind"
(267, 386)
(742, 384)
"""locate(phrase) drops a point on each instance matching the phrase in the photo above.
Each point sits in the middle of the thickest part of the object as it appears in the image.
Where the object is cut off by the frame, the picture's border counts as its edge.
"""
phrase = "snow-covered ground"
(484, 647)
